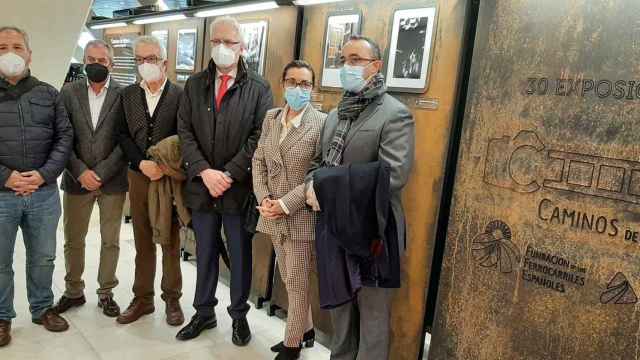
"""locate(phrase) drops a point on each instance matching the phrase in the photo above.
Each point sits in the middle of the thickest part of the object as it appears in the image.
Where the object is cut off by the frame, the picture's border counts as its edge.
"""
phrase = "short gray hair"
(24, 34)
(150, 40)
(227, 20)
(99, 43)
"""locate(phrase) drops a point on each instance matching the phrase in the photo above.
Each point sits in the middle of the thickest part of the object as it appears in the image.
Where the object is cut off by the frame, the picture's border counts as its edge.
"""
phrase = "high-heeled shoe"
(308, 340)
(288, 353)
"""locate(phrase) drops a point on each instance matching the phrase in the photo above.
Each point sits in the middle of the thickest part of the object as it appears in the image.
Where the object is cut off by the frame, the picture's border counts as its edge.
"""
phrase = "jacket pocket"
(42, 111)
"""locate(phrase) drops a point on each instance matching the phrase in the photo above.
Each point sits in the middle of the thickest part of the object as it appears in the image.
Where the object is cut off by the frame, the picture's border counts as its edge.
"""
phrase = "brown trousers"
(143, 286)
(77, 215)
(295, 259)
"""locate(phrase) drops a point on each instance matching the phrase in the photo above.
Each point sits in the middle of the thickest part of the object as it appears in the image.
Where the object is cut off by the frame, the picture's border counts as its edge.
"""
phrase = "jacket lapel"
(295, 134)
(275, 138)
(83, 99)
(362, 119)
(107, 105)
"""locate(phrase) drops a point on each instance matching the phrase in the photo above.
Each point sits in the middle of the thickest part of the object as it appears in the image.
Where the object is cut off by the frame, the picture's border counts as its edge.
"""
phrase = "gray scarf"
(349, 109)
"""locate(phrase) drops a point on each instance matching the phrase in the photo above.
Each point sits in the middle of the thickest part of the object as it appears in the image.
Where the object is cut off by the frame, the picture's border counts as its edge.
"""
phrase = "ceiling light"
(266, 5)
(107, 26)
(158, 19)
(84, 38)
(313, 2)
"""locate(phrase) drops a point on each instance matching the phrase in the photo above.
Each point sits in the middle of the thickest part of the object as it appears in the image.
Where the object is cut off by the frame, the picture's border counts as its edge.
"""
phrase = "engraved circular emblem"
(494, 249)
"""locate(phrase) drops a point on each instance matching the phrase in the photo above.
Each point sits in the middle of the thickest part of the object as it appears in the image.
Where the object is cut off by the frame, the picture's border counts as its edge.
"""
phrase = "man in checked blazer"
(96, 172)
(281, 161)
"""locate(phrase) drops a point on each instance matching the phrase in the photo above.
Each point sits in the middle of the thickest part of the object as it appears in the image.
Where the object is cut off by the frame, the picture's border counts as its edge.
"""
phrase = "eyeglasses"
(101, 61)
(149, 59)
(292, 83)
(227, 43)
(354, 61)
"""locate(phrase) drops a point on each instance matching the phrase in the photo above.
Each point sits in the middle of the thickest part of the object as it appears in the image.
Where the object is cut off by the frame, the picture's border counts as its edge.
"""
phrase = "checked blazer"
(279, 170)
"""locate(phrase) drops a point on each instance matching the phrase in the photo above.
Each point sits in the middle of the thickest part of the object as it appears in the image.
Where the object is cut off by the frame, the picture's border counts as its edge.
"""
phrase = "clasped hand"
(25, 183)
(271, 209)
(216, 182)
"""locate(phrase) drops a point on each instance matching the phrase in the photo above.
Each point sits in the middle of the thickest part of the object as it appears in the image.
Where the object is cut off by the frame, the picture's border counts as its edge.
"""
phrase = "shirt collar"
(296, 121)
(233, 73)
(104, 88)
(143, 84)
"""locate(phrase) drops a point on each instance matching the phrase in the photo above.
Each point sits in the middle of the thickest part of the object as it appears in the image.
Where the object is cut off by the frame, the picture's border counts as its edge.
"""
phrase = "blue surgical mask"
(352, 78)
(297, 98)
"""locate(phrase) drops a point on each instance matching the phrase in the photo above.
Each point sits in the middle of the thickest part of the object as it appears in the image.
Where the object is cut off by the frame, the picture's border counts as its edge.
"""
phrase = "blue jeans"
(37, 216)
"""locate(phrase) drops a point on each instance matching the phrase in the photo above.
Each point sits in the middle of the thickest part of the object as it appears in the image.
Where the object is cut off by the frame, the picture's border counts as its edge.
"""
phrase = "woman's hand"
(271, 209)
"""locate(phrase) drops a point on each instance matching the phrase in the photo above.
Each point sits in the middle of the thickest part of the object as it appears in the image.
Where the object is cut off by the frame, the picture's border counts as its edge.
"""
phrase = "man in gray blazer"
(96, 172)
(368, 125)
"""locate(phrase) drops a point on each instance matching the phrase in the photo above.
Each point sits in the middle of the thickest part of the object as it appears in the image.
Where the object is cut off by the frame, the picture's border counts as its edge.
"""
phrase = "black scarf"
(349, 109)
(14, 92)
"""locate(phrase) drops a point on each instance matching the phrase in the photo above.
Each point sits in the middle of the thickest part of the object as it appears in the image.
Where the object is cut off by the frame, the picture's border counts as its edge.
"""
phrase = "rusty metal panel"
(433, 113)
(543, 252)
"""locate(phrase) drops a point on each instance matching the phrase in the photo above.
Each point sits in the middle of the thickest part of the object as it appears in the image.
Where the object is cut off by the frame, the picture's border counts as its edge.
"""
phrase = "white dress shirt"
(152, 98)
(96, 101)
(286, 128)
(293, 123)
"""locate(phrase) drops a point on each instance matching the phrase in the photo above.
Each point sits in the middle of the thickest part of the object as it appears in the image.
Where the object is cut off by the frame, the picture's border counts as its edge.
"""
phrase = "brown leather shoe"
(135, 311)
(5, 332)
(52, 321)
(66, 303)
(175, 316)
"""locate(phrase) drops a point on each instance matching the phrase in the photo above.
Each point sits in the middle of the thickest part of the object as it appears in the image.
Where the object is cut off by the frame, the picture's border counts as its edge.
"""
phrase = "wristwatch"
(228, 174)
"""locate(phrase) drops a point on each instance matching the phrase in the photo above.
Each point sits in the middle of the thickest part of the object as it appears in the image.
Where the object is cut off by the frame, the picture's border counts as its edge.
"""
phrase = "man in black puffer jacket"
(35, 143)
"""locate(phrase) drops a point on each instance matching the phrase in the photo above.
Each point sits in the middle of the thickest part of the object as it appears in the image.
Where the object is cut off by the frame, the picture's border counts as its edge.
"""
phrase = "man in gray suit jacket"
(96, 172)
(368, 125)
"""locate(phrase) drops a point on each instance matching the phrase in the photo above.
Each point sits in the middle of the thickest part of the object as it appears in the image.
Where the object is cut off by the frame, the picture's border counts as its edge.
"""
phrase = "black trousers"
(207, 228)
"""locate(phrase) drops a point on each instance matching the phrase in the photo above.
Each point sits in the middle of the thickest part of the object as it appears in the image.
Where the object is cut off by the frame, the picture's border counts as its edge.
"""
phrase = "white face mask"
(150, 72)
(223, 56)
(12, 65)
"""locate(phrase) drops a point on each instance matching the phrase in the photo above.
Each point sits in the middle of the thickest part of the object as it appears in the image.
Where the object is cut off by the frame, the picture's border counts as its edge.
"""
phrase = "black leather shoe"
(241, 332)
(196, 326)
(109, 306)
(308, 340)
(66, 303)
(288, 354)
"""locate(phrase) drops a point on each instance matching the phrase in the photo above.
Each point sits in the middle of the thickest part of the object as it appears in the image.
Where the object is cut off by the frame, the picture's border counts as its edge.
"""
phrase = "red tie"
(224, 81)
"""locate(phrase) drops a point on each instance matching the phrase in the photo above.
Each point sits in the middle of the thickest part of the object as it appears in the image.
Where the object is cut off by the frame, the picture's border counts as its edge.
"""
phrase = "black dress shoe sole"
(208, 326)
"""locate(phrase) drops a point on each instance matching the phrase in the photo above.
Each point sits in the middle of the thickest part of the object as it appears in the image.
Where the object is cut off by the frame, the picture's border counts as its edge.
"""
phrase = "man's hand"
(271, 209)
(216, 182)
(151, 170)
(33, 179)
(311, 197)
(90, 180)
(18, 183)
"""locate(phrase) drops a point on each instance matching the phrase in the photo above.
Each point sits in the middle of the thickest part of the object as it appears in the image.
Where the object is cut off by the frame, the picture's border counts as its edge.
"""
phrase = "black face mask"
(96, 73)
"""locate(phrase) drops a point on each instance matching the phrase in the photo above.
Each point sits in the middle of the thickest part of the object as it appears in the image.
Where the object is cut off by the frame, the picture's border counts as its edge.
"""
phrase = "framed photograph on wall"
(340, 26)
(255, 37)
(410, 49)
(186, 49)
(163, 36)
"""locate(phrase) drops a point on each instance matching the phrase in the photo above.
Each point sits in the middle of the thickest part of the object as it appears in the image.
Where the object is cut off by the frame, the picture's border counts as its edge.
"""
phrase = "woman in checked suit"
(286, 147)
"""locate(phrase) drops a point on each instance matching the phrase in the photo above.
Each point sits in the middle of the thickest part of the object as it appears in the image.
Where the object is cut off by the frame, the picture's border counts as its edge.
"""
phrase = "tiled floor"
(94, 336)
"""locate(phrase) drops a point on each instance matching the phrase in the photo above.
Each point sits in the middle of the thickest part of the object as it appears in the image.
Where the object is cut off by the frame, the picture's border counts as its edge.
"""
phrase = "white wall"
(54, 27)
